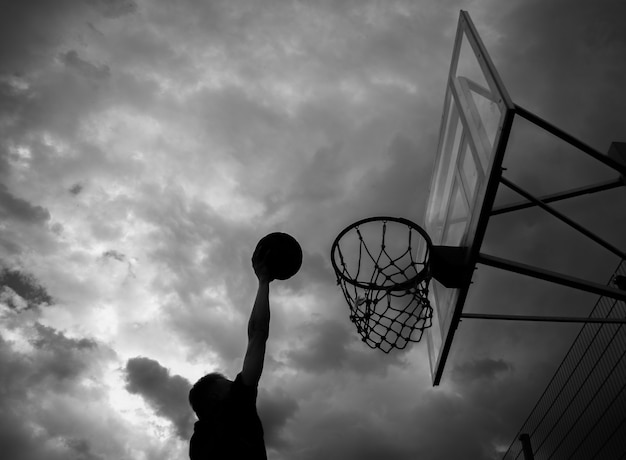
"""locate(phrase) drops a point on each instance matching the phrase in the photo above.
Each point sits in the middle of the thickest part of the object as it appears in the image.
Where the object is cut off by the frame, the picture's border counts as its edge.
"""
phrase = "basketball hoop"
(382, 266)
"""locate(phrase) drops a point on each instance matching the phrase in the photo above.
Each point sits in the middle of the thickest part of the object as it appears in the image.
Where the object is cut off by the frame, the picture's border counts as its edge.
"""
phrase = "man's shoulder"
(240, 389)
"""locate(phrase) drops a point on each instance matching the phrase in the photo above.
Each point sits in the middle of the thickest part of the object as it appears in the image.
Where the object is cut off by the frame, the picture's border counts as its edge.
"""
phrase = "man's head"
(207, 393)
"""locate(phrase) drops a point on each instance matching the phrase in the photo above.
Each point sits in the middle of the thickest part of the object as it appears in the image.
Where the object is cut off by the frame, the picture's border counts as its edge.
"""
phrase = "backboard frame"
(457, 186)
(457, 89)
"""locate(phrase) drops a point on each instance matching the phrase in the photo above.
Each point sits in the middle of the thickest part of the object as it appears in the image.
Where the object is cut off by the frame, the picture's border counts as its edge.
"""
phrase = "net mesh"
(387, 288)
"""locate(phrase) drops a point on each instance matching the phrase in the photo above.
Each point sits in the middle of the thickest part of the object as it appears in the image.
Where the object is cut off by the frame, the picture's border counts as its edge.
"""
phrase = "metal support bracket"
(449, 265)
(617, 152)
(592, 236)
(600, 187)
(547, 319)
(554, 277)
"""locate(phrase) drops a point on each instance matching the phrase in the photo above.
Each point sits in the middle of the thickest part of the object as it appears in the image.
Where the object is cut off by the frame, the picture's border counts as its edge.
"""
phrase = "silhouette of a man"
(228, 425)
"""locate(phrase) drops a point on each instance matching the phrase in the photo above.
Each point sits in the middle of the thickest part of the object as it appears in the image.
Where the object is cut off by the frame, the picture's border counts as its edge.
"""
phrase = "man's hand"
(259, 263)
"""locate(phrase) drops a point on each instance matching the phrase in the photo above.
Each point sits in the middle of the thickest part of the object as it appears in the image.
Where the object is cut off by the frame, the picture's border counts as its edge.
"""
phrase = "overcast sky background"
(146, 146)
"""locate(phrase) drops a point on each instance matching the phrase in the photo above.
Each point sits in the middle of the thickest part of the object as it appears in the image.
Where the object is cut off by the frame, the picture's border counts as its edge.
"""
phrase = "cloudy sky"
(146, 146)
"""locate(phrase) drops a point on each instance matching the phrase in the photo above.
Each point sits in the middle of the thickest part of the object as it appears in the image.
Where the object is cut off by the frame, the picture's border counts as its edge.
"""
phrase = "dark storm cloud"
(24, 285)
(329, 345)
(479, 369)
(571, 70)
(453, 417)
(236, 116)
(35, 93)
(399, 188)
(57, 105)
(30, 29)
(52, 368)
(483, 415)
(73, 61)
(114, 8)
(62, 358)
(205, 326)
(364, 443)
(16, 438)
(113, 254)
(11, 102)
(185, 225)
(9, 246)
(275, 408)
(351, 436)
(315, 268)
(325, 350)
(76, 189)
(82, 449)
(166, 393)
(321, 180)
(16, 208)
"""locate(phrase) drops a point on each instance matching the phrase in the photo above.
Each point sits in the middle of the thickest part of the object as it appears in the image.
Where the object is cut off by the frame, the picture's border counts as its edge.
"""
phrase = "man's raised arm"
(259, 322)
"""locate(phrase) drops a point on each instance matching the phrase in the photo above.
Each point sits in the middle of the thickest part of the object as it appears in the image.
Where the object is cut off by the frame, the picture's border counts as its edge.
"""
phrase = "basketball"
(284, 254)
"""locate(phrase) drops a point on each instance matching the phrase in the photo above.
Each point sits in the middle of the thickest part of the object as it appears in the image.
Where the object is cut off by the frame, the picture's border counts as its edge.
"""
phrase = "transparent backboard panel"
(473, 116)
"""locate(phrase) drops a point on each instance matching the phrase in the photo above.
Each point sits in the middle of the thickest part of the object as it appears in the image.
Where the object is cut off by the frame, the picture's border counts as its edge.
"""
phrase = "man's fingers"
(260, 259)
(257, 251)
(261, 252)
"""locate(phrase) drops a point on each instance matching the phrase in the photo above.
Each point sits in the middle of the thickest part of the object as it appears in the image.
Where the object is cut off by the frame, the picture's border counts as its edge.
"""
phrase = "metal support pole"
(610, 162)
(553, 277)
(565, 219)
(617, 151)
(527, 449)
(560, 196)
(547, 319)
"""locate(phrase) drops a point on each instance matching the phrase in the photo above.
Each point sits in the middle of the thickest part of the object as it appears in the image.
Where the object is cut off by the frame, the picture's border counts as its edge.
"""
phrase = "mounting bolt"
(620, 282)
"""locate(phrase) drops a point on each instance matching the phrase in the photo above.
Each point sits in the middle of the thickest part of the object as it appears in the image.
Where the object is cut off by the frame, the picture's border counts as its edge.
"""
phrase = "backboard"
(477, 118)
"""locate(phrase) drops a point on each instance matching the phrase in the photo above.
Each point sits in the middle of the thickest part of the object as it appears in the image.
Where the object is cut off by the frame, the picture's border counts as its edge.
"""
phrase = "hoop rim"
(418, 278)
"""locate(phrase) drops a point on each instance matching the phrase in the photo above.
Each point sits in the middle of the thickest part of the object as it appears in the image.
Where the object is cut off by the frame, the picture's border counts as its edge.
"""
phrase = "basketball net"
(386, 283)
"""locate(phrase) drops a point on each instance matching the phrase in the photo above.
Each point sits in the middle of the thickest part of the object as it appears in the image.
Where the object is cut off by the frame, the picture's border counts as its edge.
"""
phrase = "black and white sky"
(146, 146)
